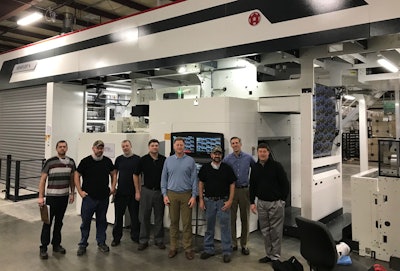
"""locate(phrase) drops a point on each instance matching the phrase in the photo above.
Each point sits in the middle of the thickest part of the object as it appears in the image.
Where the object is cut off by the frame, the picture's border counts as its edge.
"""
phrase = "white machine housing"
(375, 202)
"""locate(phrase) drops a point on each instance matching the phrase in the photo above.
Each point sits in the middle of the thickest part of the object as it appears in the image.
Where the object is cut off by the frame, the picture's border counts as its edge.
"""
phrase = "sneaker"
(103, 247)
(115, 243)
(266, 259)
(143, 246)
(81, 251)
(245, 251)
(227, 258)
(59, 249)
(205, 255)
(43, 255)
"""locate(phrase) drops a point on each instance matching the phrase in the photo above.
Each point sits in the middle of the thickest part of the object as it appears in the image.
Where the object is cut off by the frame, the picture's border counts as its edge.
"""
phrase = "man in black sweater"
(269, 183)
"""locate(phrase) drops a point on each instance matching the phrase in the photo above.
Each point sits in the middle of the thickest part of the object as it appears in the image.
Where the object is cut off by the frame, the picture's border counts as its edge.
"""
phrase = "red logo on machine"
(254, 18)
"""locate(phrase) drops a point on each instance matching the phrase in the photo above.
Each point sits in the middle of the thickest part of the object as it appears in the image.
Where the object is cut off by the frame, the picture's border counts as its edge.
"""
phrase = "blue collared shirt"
(179, 175)
(241, 166)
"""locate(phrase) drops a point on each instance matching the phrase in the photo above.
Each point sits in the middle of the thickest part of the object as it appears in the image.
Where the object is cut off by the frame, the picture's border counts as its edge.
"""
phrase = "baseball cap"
(216, 149)
(98, 143)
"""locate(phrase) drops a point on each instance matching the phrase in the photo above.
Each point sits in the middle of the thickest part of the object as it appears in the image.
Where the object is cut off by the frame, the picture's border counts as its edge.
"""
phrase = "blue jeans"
(89, 207)
(213, 210)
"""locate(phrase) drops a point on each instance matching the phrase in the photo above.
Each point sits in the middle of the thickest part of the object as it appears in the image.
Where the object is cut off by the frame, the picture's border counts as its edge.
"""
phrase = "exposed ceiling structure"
(61, 16)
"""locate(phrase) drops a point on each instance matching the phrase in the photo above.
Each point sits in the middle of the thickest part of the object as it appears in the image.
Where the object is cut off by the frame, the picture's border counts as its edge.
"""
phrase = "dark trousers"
(151, 200)
(58, 206)
(89, 207)
(120, 204)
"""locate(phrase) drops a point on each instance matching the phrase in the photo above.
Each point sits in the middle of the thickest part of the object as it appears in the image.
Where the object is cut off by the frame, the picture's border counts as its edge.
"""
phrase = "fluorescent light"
(387, 65)
(119, 90)
(182, 70)
(349, 97)
(36, 16)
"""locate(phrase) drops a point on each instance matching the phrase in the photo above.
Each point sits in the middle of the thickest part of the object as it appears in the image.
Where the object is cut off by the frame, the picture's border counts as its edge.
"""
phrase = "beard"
(97, 158)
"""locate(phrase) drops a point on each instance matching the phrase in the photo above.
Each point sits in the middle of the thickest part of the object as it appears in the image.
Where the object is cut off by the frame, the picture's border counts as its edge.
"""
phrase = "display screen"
(140, 110)
(206, 144)
(189, 143)
(199, 144)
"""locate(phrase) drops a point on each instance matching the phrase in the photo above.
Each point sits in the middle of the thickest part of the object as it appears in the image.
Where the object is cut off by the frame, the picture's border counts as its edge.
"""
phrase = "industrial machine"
(375, 203)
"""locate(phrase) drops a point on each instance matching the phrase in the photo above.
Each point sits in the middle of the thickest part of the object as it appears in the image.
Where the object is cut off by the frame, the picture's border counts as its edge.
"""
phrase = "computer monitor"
(140, 110)
(199, 144)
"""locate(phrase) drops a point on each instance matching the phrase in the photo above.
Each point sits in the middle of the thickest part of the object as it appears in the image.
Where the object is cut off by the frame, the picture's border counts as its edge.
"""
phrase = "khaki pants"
(241, 199)
(178, 208)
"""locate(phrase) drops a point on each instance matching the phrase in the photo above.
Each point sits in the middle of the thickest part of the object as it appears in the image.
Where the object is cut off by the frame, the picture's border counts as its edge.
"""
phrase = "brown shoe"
(189, 255)
(161, 245)
(172, 253)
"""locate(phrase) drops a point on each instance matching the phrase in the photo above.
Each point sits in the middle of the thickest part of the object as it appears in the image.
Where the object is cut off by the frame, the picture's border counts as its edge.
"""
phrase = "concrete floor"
(20, 231)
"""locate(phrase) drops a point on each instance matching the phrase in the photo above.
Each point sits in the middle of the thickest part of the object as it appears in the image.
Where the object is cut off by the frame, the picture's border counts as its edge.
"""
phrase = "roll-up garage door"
(22, 131)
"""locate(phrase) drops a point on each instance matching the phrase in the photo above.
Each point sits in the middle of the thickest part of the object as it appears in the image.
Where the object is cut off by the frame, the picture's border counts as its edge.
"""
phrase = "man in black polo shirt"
(150, 196)
(216, 190)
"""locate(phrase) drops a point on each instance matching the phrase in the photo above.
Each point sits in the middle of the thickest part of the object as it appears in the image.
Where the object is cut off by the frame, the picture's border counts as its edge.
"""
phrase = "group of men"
(147, 184)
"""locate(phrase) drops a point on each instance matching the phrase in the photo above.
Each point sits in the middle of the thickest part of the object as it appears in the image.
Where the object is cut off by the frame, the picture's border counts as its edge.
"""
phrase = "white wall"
(64, 117)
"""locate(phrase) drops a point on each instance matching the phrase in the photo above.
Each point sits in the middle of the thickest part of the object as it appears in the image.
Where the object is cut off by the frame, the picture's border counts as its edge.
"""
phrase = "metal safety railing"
(18, 172)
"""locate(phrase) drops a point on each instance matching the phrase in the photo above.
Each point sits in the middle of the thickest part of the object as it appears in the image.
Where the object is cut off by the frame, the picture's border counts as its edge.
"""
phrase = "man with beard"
(95, 171)
(216, 190)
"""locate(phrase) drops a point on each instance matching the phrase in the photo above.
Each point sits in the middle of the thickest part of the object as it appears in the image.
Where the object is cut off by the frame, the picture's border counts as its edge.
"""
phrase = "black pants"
(120, 204)
(58, 206)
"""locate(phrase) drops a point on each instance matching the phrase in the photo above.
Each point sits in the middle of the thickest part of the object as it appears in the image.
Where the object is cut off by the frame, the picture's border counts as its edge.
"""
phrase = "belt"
(216, 198)
(154, 188)
(241, 186)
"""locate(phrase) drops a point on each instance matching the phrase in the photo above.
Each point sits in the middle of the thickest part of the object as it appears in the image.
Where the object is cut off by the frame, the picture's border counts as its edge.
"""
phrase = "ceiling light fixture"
(387, 64)
(349, 97)
(36, 16)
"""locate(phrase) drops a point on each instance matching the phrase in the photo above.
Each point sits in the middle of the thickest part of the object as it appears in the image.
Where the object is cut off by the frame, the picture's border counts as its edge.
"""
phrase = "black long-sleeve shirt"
(268, 182)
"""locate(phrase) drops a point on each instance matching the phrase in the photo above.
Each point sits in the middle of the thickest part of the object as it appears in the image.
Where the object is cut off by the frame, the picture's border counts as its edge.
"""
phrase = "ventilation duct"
(67, 22)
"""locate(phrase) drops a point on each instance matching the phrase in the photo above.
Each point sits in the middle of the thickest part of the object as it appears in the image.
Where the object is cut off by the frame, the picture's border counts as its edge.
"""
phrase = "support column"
(363, 131)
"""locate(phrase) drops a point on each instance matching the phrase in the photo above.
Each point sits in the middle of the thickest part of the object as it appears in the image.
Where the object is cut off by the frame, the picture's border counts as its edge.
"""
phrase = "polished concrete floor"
(20, 230)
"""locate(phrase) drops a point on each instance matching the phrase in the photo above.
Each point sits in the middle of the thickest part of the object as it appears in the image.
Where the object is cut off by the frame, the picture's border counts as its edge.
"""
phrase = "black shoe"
(135, 240)
(234, 248)
(205, 255)
(142, 246)
(266, 259)
(59, 249)
(81, 251)
(245, 251)
(43, 255)
(227, 258)
(103, 247)
(115, 243)
(161, 245)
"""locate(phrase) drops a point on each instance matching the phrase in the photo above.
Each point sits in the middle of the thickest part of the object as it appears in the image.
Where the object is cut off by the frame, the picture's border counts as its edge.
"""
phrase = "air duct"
(67, 22)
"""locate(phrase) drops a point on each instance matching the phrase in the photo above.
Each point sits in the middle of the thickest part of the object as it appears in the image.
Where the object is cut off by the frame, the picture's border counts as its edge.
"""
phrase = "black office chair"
(318, 247)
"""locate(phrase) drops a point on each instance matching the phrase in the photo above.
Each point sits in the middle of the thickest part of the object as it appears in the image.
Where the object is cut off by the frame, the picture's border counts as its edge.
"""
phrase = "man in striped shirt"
(58, 171)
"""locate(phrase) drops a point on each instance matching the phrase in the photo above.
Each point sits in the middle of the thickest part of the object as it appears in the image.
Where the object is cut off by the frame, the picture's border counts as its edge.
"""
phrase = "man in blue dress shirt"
(179, 189)
(240, 163)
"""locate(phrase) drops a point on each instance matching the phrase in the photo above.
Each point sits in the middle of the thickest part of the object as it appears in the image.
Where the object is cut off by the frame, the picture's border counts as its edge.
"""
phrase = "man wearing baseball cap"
(216, 190)
(95, 171)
